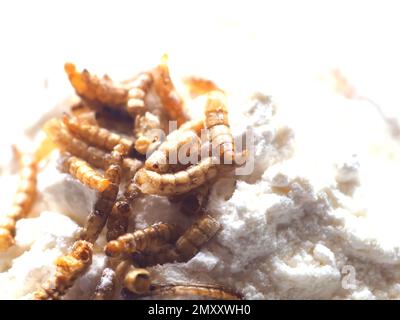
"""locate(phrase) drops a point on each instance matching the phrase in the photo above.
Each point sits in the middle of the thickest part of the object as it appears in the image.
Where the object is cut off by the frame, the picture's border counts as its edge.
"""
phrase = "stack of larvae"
(107, 142)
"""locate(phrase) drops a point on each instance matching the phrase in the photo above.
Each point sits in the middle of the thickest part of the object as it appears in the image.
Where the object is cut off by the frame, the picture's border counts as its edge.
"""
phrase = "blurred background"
(276, 46)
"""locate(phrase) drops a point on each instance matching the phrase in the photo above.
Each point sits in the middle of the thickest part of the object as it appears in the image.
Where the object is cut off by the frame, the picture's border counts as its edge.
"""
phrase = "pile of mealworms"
(107, 142)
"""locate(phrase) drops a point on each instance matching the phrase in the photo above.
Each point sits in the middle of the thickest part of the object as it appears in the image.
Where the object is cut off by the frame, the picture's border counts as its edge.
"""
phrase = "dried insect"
(216, 121)
(137, 92)
(69, 268)
(136, 280)
(67, 142)
(114, 160)
(183, 181)
(172, 102)
(199, 86)
(200, 290)
(82, 171)
(106, 286)
(95, 91)
(147, 239)
(118, 220)
(23, 200)
(95, 135)
(146, 131)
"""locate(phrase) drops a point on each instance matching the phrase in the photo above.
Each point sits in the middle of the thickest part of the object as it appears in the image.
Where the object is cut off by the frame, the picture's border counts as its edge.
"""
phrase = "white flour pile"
(318, 217)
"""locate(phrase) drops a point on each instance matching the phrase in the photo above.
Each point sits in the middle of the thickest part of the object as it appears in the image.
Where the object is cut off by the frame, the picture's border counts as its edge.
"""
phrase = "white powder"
(317, 218)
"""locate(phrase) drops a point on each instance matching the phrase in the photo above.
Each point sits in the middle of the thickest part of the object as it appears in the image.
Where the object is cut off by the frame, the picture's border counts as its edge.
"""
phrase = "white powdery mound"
(290, 229)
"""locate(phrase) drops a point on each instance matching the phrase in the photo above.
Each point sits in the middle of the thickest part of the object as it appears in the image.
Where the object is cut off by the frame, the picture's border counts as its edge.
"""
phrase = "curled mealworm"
(200, 290)
(147, 239)
(217, 124)
(136, 280)
(69, 268)
(23, 199)
(183, 181)
(172, 102)
(82, 171)
(67, 142)
(95, 135)
(97, 92)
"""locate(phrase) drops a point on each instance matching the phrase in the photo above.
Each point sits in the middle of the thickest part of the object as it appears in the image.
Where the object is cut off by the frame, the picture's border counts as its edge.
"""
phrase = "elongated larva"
(172, 102)
(199, 86)
(106, 286)
(97, 92)
(82, 171)
(145, 240)
(161, 159)
(199, 290)
(23, 200)
(146, 131)
(95, 135)
(69, 268)
(67, 142)
(114, 170)
(136, 280)
(168, 184)
(137, 92)
(118, 221)
(217, 124)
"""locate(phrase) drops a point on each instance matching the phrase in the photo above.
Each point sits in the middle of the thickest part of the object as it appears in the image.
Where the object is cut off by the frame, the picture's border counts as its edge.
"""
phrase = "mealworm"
(97, 92)
(137, 92)
(95, 135)
(217, 124)
(172, 102)
(147, 239)
(146, 131)
(165, 254)
(199, 86)
(68, 268)
(183, 181)
(23, 199)
(118, 221)
(200, 290)
(67, 142)
(114, 170)
(82, 171)
(136, 280)
(106, 286)
(196, 236)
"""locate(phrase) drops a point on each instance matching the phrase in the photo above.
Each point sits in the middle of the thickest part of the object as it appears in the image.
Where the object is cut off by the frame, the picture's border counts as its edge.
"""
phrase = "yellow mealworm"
(97, 92)
(169, 151)
(200, 290)
(95, 135)
(82, 171)
(168, 184)
(172, 102)
(136, 280)
(199, 86)
(117, 223)
(137, 92)
(196, 236)
(114, 170)
(146, 131)
(217, 124)
(68, 268)
(67, 142)
(106, 286)
(145, 240)
(23, 199)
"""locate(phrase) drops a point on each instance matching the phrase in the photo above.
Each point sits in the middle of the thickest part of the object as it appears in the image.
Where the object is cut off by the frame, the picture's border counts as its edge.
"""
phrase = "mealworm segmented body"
(95, 135)
(69, 268)
(136, 280)
(217, 124)
(145, 240)
(168, 184)
(23, 199)
(97, 92)
(67, 142)
(118, 221)
(146, 131)
(106, 286)
(137, 92)
(172, 102)
(82, 171)
(114, 160)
